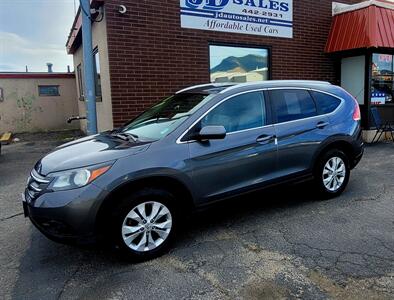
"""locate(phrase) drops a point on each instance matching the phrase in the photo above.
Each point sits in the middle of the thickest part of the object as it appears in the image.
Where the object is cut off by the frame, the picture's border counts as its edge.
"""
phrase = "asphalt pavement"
(278, 244)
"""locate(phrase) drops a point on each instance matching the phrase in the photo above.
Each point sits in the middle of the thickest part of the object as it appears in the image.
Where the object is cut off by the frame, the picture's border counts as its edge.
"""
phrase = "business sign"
(259, 17)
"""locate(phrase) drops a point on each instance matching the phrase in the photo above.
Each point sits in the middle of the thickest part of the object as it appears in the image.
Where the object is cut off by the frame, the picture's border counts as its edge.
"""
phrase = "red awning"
(367, 27)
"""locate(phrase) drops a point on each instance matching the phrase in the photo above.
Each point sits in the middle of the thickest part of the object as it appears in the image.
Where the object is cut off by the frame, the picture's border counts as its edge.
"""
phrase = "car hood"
(88, 151)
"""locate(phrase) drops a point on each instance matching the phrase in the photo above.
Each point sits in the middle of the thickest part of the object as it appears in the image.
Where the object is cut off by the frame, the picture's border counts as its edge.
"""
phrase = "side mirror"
(212, 133)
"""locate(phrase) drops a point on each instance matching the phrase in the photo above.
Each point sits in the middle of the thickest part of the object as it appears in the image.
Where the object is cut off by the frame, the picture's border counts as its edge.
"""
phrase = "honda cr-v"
(203, 144)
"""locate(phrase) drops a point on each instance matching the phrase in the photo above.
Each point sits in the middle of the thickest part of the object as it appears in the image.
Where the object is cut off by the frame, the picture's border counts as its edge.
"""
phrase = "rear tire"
(332, 173)
(144, 223)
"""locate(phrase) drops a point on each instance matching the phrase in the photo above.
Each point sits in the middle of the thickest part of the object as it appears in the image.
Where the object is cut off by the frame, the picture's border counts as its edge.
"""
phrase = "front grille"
(36, 184)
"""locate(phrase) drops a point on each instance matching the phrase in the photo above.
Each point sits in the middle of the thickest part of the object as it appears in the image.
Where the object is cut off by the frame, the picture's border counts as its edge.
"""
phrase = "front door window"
(241, 112)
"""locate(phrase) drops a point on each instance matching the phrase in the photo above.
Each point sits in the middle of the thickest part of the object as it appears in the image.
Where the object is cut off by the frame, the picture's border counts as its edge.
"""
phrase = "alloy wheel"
(147, 226)
(334, 173)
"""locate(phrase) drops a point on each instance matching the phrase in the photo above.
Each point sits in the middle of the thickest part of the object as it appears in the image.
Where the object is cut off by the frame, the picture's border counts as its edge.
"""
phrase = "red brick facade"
(151, 56)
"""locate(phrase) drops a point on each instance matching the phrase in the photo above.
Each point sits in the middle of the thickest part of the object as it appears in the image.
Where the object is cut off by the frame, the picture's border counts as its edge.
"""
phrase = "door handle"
(265, 138)
(321, 124)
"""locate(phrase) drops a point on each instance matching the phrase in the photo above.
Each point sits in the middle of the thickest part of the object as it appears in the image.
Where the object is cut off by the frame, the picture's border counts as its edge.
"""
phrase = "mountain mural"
(241, 64)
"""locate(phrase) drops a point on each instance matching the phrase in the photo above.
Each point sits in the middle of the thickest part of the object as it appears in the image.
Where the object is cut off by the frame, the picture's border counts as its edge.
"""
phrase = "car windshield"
(161, 119)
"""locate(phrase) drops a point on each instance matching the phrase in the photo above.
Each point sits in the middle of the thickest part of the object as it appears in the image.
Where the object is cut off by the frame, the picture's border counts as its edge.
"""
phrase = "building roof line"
(77, 25)
(340, 8)
(34, 75)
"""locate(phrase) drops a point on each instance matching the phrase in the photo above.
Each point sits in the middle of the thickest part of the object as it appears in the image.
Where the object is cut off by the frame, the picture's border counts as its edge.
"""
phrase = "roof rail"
(193, 87)
(213, 85)
(274, 81)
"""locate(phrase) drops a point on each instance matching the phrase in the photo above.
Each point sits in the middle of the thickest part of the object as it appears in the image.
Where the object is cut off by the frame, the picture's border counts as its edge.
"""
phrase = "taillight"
(356, 112)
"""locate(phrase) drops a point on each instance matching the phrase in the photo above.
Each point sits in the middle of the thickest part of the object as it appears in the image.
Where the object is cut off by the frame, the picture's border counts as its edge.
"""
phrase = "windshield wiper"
(127, 136)
(160, 119)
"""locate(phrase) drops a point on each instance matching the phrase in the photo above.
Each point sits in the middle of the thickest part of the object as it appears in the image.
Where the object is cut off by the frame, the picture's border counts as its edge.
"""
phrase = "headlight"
(76, 178)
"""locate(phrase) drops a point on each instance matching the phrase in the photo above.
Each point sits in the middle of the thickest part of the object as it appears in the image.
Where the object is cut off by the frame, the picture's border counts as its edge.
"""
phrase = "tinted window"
(238, 113)
(292, 105)
(326, 103)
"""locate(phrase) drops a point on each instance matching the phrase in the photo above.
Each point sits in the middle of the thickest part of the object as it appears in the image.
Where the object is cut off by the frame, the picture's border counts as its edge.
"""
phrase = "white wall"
(24, 110)
(353, 76)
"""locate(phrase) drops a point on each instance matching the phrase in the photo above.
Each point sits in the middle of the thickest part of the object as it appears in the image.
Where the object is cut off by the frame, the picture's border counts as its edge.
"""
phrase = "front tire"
(332, 173)
(144, 223)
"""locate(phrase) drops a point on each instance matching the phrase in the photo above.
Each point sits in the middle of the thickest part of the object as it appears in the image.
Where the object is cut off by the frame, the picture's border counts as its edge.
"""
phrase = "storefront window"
(238, 64)
(382, 79)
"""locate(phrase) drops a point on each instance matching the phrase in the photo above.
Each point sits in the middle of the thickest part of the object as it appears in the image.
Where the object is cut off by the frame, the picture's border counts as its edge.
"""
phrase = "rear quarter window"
(326, 103)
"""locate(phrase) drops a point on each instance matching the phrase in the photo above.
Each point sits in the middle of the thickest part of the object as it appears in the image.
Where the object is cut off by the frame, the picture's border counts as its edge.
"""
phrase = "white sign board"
(259, 17)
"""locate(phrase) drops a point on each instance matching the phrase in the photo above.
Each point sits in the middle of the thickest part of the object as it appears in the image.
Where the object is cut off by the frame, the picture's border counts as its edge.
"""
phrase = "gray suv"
(203, 144)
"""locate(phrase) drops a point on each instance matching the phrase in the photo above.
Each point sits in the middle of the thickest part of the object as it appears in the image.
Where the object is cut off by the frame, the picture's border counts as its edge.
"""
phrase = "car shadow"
(280, 197)
(46, 268)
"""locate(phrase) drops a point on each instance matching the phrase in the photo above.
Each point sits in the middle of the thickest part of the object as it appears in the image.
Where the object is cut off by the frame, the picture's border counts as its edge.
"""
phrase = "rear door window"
(292, 104)
(326, 103)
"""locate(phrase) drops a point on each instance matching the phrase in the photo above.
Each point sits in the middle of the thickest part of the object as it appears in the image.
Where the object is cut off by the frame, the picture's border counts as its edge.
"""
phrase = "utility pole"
(90, 87)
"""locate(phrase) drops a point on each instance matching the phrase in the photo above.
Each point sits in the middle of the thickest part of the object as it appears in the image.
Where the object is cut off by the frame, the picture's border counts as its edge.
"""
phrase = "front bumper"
(66, 215)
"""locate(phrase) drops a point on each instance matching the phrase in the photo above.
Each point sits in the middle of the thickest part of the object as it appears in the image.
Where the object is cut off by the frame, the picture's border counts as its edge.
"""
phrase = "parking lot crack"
(66, 283)
(337, 251)
(384, 245)
(209, 277)
(377, 197)
(10, 217)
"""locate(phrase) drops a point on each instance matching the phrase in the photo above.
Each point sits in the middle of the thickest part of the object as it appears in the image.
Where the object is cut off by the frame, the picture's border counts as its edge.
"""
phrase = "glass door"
(382, 84)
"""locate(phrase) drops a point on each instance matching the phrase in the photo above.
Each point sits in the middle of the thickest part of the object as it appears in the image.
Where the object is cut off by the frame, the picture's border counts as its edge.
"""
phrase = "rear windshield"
(161, 119)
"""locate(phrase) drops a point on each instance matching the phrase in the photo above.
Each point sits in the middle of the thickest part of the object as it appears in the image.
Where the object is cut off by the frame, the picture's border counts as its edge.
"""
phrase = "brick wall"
(151, 56)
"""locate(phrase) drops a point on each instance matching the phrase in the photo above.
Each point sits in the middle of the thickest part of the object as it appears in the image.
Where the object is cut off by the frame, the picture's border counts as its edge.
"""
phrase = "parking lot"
(278, 244)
